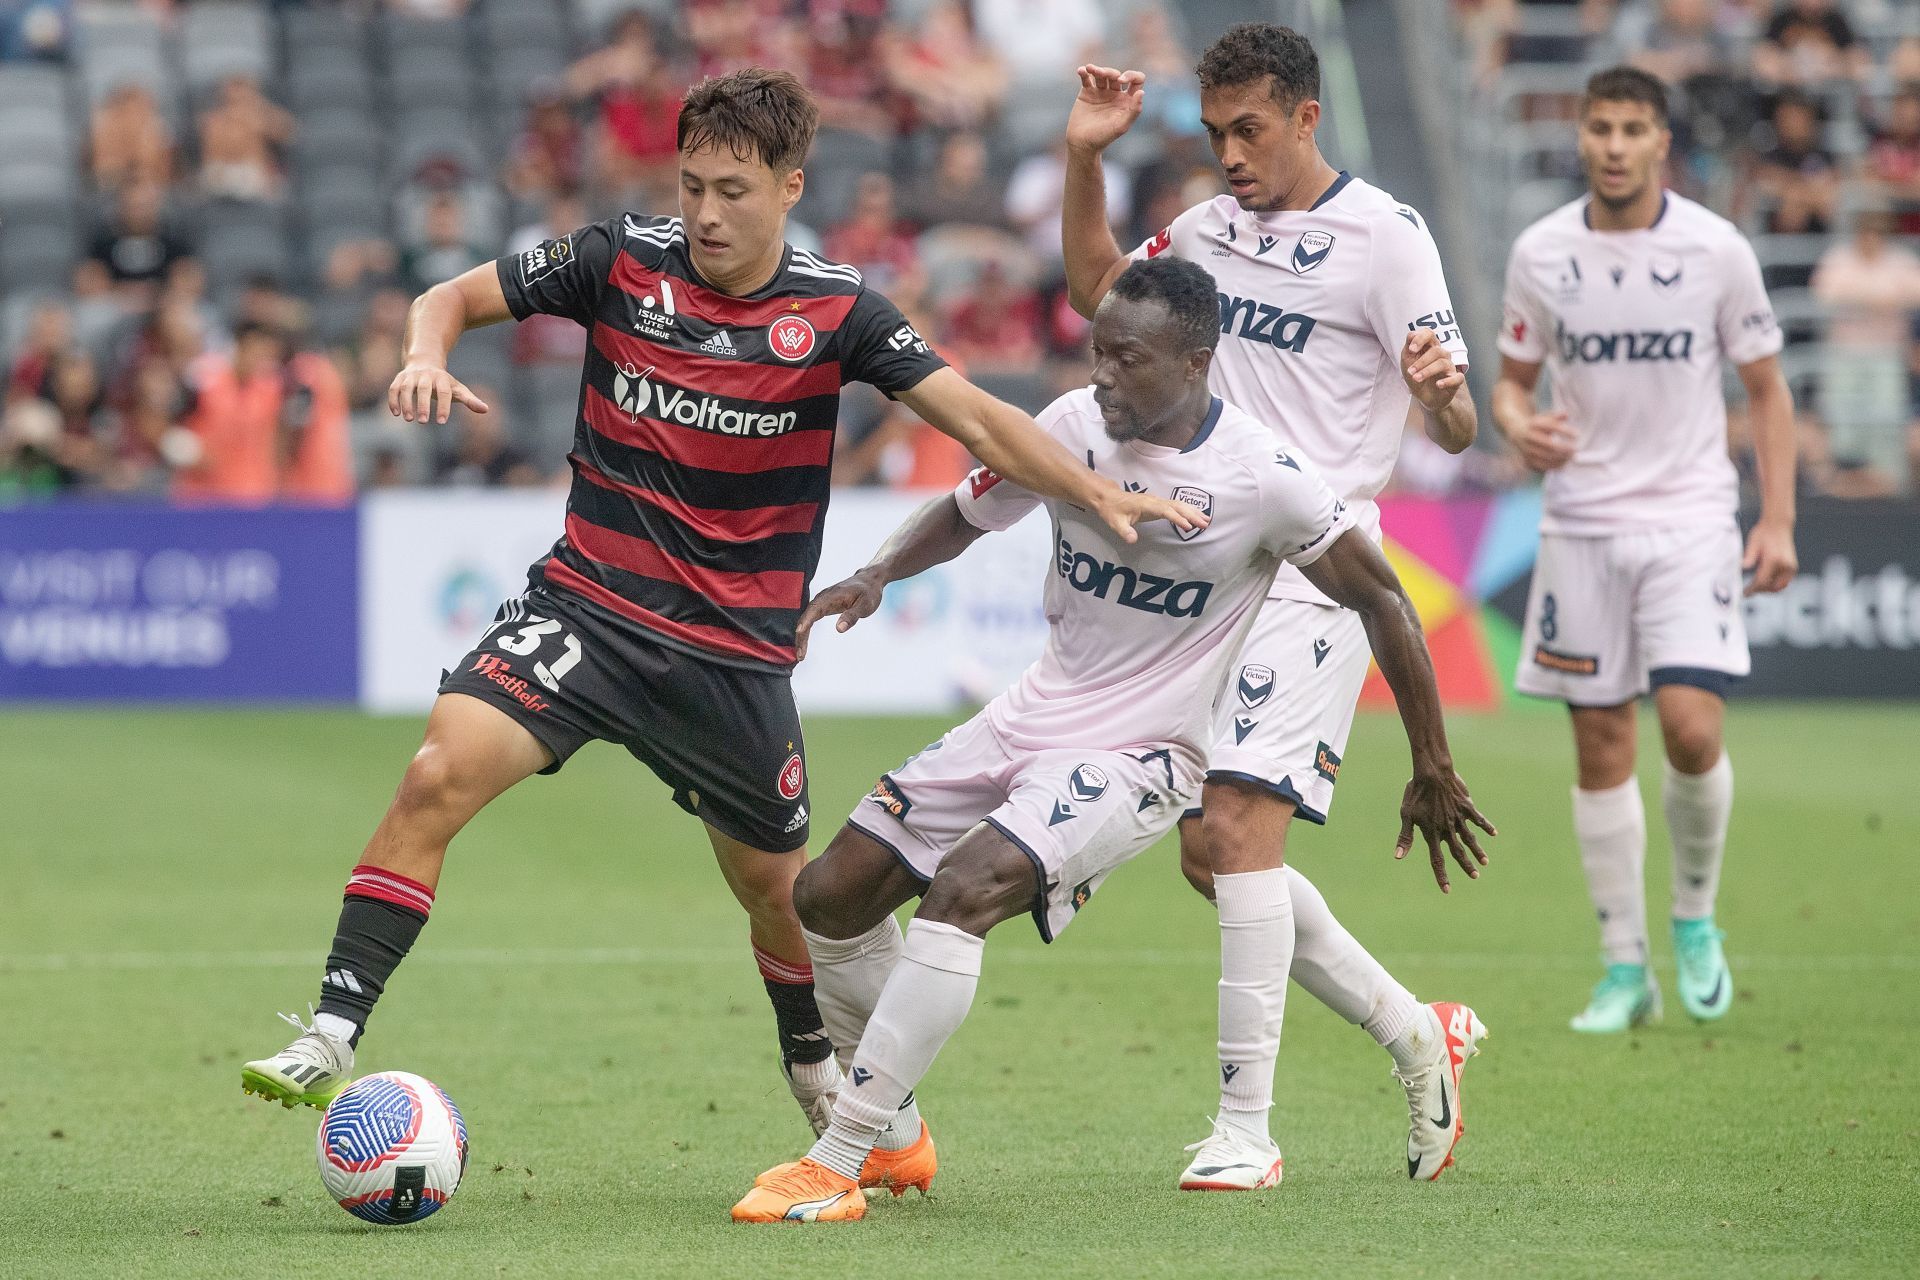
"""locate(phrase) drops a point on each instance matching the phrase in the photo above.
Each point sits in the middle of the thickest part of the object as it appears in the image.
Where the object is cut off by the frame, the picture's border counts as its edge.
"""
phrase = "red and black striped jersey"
(703, 436)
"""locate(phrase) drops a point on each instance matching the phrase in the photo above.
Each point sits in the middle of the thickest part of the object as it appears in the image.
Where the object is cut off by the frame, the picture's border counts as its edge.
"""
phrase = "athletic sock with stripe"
(382, 914)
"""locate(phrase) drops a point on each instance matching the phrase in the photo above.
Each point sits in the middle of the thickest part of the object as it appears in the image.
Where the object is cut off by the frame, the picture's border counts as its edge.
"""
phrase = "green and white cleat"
(1706, 984)
(308, 1072)
(1627, 997)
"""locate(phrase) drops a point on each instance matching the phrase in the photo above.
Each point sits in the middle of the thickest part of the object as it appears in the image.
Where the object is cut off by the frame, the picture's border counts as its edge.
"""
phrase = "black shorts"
(727, 740)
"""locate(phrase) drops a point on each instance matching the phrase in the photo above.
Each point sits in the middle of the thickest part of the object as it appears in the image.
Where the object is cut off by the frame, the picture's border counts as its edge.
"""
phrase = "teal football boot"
(1627, 997)
(1706, 984)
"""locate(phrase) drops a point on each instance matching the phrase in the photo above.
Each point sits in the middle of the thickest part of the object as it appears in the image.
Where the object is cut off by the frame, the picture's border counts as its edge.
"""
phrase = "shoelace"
(1415, 1086)
(1219, 1132)
(304, 1028)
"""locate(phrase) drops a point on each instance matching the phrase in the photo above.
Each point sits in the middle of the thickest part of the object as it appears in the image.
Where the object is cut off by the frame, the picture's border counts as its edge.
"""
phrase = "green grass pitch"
(169, 879)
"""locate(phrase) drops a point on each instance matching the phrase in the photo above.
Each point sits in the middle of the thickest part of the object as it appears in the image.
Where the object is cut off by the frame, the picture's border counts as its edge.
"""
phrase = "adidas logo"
(342, 979)
(720, 344)
(798, 820)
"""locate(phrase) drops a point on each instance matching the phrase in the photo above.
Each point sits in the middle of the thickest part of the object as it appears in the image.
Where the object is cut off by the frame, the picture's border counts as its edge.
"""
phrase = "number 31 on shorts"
(529, 638)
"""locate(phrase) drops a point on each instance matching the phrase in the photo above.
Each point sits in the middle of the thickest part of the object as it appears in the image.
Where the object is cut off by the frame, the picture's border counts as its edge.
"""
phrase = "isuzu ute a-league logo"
(655, 318)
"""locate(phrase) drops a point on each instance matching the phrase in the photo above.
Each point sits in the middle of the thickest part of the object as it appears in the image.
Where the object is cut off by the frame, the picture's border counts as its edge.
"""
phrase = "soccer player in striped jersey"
(1334, 321)
(664, 617)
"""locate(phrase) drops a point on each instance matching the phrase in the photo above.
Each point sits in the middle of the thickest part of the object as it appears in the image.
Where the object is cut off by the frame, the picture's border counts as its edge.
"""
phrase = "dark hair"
(1184, 289)
(761, 115)
(1627, 84)
(1251, 50)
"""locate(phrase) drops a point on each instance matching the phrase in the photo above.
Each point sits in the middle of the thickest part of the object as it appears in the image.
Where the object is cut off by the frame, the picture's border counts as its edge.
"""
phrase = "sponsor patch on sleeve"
(545, 258)
(887, 794)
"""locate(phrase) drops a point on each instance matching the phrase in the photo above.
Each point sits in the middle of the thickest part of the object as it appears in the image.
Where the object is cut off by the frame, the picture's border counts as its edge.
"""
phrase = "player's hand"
(1546, 443)
(1429, 370)
(853, 599)
(1123, 510)
(1439, 806)
(1108, 104)
(1770, 557)
(427, 393)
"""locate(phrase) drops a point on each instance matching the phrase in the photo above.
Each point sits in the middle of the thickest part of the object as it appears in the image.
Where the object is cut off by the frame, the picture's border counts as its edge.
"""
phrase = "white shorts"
(1076, 814)
(1288, 707)
(1610, 617)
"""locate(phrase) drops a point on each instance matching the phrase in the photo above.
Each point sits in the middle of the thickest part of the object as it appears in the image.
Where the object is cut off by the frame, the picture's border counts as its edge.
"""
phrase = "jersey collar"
(1586, 215)
(1206, 427)
(1339, 185)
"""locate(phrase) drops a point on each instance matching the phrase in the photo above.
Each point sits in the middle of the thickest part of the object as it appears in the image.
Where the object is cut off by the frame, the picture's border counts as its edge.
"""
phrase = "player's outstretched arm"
(934, 534)
(1770, 555)
(423, 390)
(1108, 104)
(1353, 573)
(1013, 445)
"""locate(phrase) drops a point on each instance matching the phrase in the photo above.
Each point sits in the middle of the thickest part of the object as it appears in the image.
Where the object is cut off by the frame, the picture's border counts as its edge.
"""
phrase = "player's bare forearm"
(1354, 574)
(1010, 443)
(440, 315)
(1093, 257)
(934, 534)
(1770, 410)
(1513, 396)
(1454, 427)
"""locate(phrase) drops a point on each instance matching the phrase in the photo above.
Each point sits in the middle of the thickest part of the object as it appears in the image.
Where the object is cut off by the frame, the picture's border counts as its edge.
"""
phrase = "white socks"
(1256, 952)
(848, 976)
(1611, 828)
(1698, 806)
(1340, 973)
(922, 1005)
(336, 1027)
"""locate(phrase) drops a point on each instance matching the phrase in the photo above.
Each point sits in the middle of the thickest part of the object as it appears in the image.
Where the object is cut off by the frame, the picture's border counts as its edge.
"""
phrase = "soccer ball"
(392, 1148)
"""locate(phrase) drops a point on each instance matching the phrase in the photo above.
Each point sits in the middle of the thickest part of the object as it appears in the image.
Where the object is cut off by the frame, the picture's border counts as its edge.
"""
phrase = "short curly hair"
(1185, 289)
(1251, 50)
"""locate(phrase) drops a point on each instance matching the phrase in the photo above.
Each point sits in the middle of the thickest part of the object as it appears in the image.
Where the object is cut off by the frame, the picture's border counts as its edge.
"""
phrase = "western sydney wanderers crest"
(1194, 498)
(791, 338)
(792, 777)
(1311, 251)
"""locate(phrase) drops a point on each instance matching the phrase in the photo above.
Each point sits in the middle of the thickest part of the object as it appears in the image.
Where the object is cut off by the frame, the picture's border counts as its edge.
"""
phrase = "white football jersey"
(1315, 305)
(1632, 326)
(1140, 635)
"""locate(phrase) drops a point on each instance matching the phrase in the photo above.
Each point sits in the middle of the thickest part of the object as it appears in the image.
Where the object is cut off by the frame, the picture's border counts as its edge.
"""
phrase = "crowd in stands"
(1800, 120)
(210, 305)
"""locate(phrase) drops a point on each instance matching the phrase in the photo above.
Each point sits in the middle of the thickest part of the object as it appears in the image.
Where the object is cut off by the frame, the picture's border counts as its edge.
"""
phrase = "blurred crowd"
(1800, 120)
(230, 323)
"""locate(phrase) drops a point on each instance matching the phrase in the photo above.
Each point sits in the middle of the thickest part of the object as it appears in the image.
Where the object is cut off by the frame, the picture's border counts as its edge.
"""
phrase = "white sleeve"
(1406, 288)
(1176, 236)
(1300, 515)
(1523, 322)
(992, 502)
(1747, 329)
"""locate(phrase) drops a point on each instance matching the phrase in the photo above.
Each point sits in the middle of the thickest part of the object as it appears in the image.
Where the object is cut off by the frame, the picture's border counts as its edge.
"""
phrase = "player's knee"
(431, 785)
(769, 897)
(1244, 829)
(1194, 862)
(1692, 747)
(976, 893)
(820, 902)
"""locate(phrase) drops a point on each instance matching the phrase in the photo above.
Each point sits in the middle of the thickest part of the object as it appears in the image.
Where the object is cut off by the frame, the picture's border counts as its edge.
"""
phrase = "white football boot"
(308, 1072)
(1231, 1161)
(1435, 1124)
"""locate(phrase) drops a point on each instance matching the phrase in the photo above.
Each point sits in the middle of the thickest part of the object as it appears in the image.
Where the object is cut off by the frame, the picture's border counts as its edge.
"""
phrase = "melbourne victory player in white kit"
(1334, 319)
(1097, 750)
(1633, 296)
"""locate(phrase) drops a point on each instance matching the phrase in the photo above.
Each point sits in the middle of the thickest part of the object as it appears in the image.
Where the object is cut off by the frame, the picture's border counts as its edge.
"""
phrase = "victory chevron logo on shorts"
(342, 979)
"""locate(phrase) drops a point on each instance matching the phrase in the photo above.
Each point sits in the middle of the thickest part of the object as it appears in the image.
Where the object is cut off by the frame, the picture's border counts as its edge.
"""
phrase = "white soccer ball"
(392, 1148)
